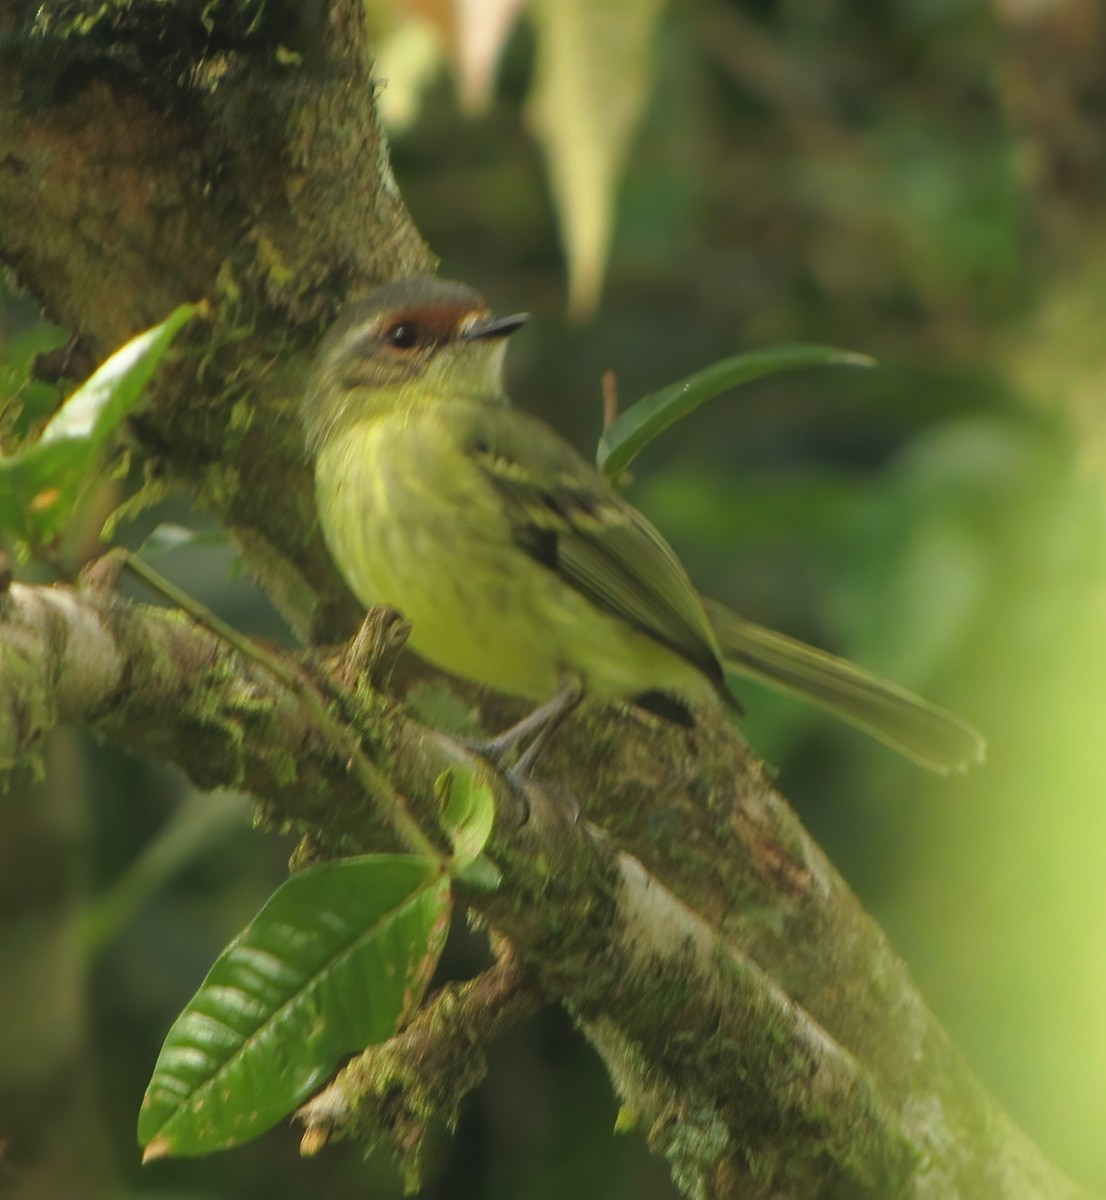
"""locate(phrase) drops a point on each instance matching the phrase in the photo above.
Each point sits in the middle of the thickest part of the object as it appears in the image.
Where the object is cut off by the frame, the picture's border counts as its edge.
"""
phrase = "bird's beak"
(494, 327)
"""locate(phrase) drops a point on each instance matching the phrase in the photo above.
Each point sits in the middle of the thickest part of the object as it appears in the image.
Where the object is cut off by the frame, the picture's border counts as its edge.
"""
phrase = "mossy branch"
(394, 1093)
(736, 1083)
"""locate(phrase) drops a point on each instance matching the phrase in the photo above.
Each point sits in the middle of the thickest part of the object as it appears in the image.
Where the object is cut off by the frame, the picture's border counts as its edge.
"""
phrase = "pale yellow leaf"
(592, 79)
(482, 29)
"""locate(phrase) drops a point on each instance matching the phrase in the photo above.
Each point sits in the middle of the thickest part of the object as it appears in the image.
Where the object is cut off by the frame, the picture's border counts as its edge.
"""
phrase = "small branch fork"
(376, 646)
(393, 1093)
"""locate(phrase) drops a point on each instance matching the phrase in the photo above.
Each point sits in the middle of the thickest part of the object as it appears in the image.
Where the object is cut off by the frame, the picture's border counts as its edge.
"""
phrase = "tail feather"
(931, 736)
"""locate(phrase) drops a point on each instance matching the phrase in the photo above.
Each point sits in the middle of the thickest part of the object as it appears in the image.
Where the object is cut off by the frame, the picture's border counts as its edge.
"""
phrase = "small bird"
(519, 565)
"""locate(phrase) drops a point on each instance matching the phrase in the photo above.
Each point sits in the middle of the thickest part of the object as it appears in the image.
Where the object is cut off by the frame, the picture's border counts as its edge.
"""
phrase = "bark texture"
(743, 1089)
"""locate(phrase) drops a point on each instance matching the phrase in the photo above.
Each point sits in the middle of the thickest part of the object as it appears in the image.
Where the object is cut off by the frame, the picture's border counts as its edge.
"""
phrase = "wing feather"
(565, 516)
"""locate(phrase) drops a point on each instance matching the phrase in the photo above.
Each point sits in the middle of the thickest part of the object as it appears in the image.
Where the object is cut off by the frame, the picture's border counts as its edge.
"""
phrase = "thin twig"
(387, 800)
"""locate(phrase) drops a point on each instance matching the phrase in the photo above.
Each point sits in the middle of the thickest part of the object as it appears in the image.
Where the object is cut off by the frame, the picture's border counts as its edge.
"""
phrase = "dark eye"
(402, 335)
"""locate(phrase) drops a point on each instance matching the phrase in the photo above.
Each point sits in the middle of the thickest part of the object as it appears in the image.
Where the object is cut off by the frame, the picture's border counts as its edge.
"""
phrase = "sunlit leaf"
(591, 82)
(39, 485)
(105, 398)
(630, 432)
(337, 959)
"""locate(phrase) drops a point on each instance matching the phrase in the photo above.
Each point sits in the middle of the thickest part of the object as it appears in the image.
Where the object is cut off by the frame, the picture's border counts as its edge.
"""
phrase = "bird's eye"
(403, 335)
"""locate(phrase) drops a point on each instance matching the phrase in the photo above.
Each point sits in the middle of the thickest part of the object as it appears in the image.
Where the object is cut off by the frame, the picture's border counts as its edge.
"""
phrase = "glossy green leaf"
(631, 431)
(337, 959)
(105, 398)
(39, 485)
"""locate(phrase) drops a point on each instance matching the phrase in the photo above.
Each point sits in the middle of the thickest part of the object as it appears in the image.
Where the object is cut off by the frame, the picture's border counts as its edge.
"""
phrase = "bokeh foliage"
(918, 181)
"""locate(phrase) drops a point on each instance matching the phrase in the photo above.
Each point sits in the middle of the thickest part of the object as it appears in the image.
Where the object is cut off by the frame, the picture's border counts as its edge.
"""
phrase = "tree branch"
(392, 1093)
(729, 1076)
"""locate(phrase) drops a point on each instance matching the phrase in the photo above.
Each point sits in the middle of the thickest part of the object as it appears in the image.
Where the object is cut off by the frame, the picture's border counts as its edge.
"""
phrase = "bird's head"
(410, 343)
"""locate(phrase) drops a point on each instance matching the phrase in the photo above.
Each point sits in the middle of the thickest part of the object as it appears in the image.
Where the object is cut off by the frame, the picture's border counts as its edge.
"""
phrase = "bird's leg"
(549, 802)
(542, 722)
(565, 701)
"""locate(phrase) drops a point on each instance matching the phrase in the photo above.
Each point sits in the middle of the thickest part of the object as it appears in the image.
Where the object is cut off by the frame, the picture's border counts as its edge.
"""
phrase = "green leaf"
(105, 398)
(338, 958)
(18, 358)
(630, 432)
(40, 484)
(591, 80)
(467, 816)
(21, 351)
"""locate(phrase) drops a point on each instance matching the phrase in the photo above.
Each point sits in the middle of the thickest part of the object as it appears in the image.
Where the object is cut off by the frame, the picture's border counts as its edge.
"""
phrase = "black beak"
(495, 327)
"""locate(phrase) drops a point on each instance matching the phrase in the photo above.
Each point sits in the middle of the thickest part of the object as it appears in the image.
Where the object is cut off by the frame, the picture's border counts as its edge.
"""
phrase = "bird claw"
(540, 724)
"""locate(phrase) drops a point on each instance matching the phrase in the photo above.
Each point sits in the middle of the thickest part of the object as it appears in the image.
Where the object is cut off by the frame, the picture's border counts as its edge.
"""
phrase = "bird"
(519, 565)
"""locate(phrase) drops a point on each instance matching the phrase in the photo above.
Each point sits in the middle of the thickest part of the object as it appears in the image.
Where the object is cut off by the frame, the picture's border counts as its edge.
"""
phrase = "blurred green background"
(921, 180)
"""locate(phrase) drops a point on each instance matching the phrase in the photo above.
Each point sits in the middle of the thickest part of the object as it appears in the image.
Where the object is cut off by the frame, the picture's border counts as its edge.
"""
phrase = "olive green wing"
(567, 517)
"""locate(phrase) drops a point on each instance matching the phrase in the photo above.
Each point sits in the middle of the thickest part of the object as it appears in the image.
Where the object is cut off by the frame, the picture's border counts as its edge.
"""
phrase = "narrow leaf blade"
(110, 392)
(630, 432)
(337, 959)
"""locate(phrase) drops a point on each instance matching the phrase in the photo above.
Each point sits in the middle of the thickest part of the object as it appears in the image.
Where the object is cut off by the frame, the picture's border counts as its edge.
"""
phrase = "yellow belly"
(413, 525)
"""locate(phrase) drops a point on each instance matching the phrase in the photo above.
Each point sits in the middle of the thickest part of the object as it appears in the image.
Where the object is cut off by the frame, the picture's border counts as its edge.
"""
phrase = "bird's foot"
(541, 725)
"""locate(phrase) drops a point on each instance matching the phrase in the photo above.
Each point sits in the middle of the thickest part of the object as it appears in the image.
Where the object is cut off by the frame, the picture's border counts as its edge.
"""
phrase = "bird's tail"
(928, 735)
